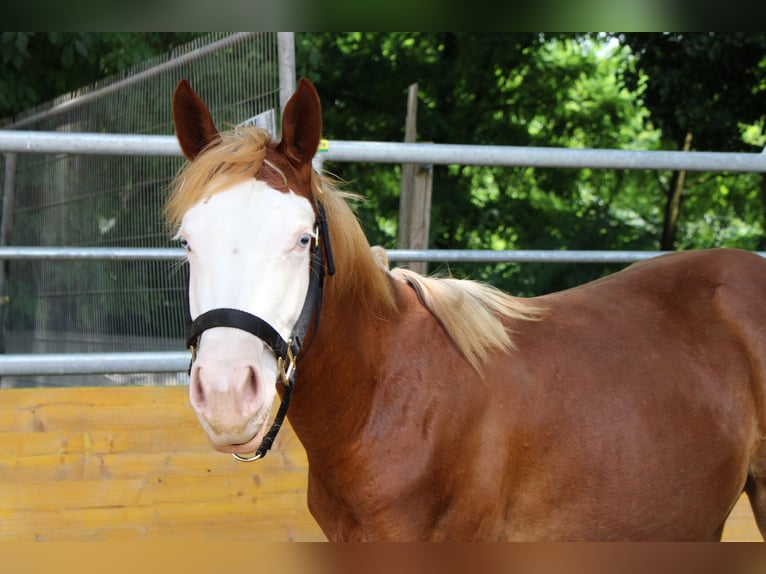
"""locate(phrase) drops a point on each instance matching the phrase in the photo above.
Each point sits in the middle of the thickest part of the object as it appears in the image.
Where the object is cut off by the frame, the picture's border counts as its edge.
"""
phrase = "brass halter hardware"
(286, 365)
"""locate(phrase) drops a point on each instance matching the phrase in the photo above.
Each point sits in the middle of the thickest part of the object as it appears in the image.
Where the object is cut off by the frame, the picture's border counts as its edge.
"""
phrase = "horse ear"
(194, 124)
(301, 124)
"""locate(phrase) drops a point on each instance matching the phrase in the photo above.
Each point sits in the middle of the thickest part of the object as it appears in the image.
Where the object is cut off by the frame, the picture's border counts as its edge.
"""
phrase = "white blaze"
(247, 249)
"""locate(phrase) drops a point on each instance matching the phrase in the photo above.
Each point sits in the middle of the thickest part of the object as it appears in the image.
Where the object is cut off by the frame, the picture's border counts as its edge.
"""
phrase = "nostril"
(251, 384)
(196, 392)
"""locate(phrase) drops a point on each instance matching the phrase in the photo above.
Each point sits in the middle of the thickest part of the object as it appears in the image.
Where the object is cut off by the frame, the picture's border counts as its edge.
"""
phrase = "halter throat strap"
(286, 351)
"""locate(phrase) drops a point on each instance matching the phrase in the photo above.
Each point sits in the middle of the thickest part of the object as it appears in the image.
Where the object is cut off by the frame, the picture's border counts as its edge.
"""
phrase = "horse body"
(628, 408)
(610, 421)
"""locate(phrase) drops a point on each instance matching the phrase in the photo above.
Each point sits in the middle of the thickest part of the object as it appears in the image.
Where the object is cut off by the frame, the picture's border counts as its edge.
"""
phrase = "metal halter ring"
(258, 454)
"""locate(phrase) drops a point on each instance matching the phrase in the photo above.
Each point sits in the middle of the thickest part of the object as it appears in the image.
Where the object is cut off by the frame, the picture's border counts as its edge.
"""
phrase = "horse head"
(245, 212)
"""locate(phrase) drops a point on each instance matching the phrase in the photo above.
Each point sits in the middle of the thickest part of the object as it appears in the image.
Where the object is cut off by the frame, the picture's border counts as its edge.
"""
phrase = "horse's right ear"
(194, 125)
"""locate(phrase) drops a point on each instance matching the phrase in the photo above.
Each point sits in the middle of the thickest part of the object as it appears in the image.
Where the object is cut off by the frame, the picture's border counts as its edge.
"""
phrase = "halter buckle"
(286, 366)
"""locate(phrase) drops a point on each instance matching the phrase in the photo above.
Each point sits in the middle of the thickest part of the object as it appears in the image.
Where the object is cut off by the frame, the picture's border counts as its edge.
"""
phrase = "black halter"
(285, 351)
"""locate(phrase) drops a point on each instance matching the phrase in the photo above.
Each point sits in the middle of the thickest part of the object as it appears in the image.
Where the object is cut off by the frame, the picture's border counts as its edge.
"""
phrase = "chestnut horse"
(629, 408)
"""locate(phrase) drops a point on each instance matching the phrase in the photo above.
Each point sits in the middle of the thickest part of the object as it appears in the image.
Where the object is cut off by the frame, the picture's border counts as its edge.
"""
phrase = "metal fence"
(94, 286)
(74, 198)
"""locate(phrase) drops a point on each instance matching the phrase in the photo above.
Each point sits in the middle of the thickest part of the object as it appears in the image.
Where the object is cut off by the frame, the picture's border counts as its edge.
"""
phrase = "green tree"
(36, 67)
(701, 89)
(576, 90)
(506, 89)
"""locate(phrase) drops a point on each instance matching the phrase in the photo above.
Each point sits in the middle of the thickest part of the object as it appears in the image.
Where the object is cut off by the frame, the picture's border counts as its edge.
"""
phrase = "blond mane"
(360, 277)
(236, 157)
(473, 314)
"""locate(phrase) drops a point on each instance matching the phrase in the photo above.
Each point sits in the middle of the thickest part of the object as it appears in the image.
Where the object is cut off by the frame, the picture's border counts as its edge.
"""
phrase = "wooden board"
(741, 526)
(132, 463)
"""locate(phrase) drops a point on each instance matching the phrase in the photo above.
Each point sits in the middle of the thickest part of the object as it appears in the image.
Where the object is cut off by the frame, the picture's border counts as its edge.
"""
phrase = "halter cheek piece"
(285, 351)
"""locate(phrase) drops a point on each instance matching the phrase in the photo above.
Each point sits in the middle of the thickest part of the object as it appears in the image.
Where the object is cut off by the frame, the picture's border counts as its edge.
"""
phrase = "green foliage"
(707, 89)
(568, 90)
(36, 67)
(574, 90)
(511, 89)
(709, 84)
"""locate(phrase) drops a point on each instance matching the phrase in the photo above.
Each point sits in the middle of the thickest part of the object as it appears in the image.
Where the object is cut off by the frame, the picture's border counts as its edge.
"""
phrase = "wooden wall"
(132, 463)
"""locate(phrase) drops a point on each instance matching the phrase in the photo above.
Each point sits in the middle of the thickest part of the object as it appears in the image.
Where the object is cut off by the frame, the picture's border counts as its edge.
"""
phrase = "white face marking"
(248, 248)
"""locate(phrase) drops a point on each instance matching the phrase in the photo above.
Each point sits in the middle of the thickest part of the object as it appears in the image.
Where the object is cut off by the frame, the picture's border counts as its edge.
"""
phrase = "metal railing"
(400, 255)
(339, 151)
(237, 74)
(93, 363)
(173, 362)
(391, 152)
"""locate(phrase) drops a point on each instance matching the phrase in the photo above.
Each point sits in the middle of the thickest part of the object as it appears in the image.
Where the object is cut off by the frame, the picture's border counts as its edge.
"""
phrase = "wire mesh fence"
(116, 201)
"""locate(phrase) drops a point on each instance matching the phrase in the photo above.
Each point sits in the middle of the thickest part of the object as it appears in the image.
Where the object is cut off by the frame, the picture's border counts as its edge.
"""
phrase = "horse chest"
(400, 492)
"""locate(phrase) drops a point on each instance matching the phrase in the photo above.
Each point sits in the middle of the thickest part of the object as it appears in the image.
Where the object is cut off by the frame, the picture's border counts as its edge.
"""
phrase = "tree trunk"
(762, 242)
(673, 205)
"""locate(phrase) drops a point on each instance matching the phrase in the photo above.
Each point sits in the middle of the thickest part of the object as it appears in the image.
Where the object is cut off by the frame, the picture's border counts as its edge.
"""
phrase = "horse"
(632, 407)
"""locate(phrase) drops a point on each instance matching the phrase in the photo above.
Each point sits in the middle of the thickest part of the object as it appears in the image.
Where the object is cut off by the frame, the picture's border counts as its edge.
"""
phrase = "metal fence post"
(286, 48)
(9, 184)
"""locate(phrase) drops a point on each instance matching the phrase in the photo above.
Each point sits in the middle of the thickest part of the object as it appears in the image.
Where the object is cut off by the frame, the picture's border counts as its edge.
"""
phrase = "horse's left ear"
(191, 117)
(301, 124)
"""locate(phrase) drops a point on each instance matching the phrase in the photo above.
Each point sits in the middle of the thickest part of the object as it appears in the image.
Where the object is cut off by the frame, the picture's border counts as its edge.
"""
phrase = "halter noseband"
(285, 351)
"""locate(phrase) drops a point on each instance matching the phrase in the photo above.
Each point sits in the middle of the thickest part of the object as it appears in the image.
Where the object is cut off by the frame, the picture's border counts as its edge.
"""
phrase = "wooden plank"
(741, 526)
(147, 491)
(121, 397)
(91, 408)
(131, 463)
(186, 437)
(283, 520)
(78, 466)
(81, 456)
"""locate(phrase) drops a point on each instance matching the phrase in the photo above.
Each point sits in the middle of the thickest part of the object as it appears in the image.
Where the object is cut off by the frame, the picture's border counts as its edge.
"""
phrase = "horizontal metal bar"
(88, 143)
(436, 255)
(93, 363)
(92, 253)
(175, 362)
(493, 155)
(524, 255)
(393, 152)
(519, 256)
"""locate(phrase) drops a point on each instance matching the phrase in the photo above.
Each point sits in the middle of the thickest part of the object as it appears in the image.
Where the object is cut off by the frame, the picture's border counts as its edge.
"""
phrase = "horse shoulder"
(415, 473)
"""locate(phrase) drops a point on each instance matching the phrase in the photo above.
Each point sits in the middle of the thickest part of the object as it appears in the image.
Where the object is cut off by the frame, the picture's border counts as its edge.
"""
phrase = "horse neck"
(336, 378)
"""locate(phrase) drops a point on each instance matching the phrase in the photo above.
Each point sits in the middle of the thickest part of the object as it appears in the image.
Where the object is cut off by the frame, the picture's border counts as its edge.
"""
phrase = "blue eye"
(305, 239)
